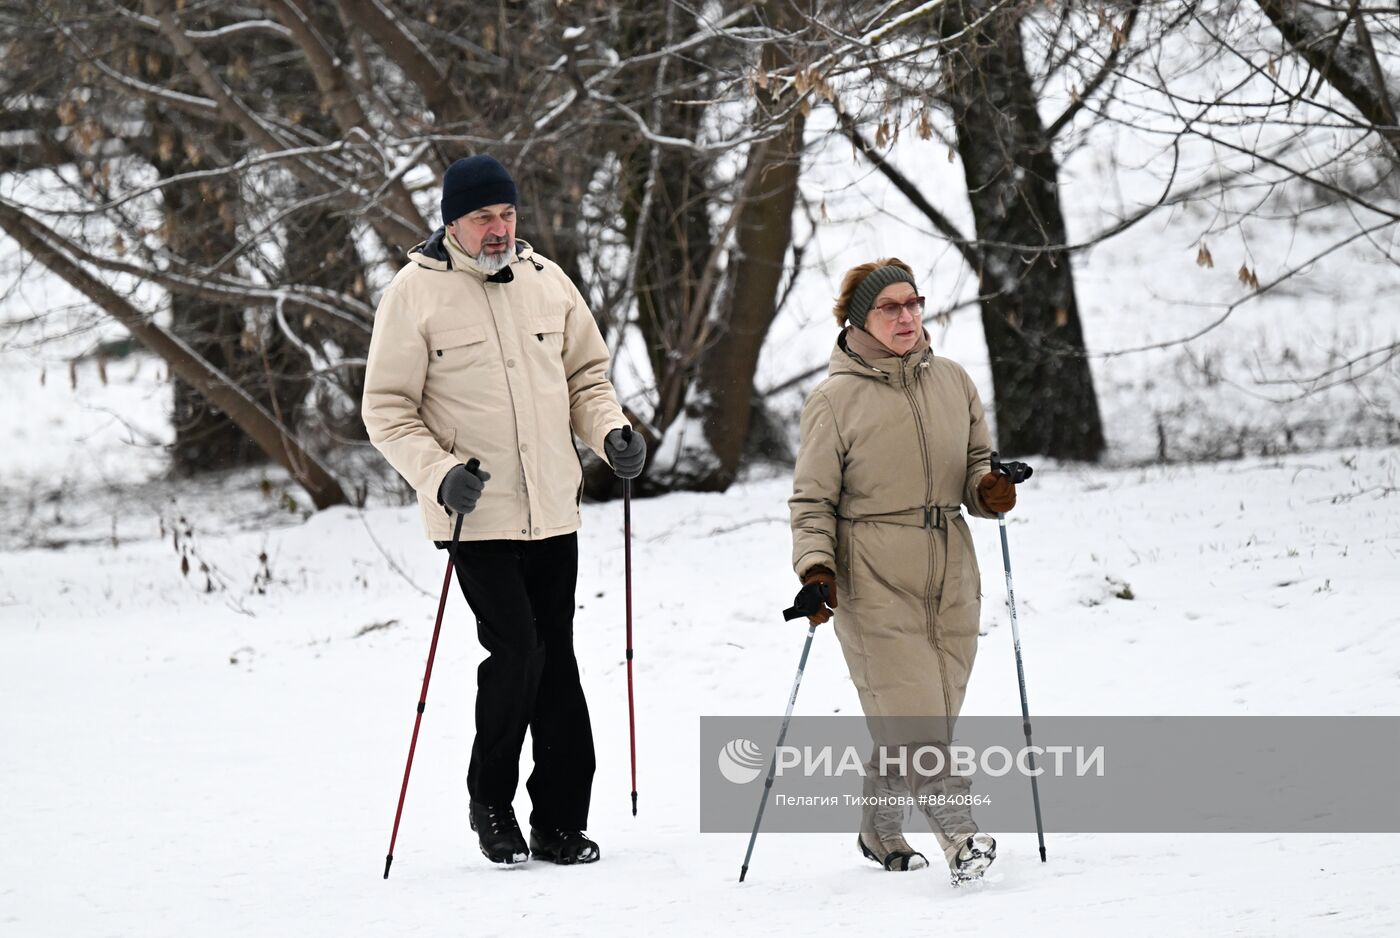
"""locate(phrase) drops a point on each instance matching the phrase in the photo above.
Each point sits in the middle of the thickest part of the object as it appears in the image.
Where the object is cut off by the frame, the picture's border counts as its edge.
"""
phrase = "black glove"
(461, 488)
(626, 451)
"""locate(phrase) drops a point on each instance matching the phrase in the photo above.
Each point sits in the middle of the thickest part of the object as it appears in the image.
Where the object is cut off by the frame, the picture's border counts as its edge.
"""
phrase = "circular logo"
(741, 761)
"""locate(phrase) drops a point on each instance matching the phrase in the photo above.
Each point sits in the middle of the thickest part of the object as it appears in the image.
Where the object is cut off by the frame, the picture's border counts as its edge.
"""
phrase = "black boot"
(894, 853)
(563, 847)
(498, 833)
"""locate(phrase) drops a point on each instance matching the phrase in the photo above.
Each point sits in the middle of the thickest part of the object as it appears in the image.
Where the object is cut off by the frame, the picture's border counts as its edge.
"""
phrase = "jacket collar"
(431, 252)
(899, 372)
(437, 252)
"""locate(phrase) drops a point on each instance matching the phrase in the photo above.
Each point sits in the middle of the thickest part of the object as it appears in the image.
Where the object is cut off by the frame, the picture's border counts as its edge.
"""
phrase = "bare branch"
(218, 388)
(909, 191)
(1109, 68)
(391, 228)
(1253, 295)
(1347, 67)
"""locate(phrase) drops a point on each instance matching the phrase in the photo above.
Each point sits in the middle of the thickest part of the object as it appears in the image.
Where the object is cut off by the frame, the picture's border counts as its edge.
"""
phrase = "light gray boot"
(947, 803)
(973, 856)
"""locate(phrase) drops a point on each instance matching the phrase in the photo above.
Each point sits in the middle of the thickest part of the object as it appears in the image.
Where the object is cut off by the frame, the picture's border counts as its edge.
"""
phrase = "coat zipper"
(928, 497)
(929, 615)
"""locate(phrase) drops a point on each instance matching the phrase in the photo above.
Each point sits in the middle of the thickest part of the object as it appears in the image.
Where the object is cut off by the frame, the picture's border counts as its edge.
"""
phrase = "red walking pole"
(627, 560)
(427, 676)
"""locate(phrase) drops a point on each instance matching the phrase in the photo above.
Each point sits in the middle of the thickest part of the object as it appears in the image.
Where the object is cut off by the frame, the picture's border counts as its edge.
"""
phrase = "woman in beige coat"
(894, 445)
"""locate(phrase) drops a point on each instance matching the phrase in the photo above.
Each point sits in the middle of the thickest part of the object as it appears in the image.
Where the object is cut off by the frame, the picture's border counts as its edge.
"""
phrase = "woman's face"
(896, 318)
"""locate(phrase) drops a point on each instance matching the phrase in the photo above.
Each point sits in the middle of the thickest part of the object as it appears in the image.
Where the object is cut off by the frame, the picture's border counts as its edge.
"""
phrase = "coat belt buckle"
(933, 516)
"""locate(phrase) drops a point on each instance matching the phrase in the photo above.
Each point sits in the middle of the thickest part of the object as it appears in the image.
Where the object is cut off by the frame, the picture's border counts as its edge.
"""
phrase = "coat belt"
(930, 516)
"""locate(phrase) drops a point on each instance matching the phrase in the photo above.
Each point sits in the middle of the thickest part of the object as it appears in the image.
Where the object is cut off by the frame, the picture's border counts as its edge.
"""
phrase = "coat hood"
(900, 372)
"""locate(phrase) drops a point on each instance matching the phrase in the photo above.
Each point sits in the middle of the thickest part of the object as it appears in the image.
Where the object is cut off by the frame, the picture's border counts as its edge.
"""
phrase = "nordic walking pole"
(789, 615)
(472, 466)
(627, 562)
(1019, 472)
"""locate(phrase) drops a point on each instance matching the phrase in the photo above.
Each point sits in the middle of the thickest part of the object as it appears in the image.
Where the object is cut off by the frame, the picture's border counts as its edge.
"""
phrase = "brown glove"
(824, 577)
(997, 492)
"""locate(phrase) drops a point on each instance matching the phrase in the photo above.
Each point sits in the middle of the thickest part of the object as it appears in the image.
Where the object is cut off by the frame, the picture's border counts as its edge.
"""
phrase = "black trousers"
(522, 593)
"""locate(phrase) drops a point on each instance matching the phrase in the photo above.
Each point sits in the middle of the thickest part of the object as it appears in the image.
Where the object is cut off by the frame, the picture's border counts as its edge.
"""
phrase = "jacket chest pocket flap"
(447, 339)
(543, 327)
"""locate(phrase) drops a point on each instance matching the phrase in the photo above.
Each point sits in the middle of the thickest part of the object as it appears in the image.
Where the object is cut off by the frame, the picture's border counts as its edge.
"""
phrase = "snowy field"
(185, 762)
(218, 752)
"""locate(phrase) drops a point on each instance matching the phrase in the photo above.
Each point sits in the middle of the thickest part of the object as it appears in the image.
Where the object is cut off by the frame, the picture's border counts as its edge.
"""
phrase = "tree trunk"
(320, 250)
(670, 265)
(1044, 391)
(552, 186)
(274, 438)
(762, 240)
(665, 196)
(200, 226)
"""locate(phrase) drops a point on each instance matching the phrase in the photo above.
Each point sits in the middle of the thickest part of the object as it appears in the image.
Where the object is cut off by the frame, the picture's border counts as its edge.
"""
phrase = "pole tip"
(388, 862)
(1042, 854)
(743, 871)
(634, 804)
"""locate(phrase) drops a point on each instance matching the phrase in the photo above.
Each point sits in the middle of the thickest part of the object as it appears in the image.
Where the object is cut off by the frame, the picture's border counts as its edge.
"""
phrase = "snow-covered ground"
(219, 752)
(185, 762)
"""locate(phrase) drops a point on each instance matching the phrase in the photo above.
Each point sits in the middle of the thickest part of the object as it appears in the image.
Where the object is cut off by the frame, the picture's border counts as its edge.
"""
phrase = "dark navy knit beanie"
(472, 182)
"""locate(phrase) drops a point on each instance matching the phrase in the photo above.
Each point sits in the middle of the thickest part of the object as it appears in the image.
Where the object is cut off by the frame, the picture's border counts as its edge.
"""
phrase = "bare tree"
(219, 389)
(1045, 400)
(264, 166)
(227, 152)
(761, 245)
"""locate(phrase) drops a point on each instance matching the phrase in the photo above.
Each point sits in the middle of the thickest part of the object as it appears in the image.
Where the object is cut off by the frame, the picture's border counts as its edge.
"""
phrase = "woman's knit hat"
(869, 288)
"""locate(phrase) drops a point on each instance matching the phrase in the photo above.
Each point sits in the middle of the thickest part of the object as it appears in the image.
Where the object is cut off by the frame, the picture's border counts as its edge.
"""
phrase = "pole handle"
(797, 610)
(1017, 472)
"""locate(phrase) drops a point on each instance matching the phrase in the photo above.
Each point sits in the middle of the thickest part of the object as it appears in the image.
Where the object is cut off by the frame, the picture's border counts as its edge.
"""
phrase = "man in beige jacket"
(483, 349)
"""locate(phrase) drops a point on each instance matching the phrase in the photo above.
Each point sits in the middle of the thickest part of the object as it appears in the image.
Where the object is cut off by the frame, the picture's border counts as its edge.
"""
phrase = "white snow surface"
(182, 762)
(189, 763)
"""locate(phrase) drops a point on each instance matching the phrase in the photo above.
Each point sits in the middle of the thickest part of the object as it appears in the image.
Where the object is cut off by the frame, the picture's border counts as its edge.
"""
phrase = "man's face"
(488, 233)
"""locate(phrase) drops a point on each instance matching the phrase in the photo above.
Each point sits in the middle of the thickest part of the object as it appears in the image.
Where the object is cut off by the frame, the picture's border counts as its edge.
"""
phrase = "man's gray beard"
(490, 263)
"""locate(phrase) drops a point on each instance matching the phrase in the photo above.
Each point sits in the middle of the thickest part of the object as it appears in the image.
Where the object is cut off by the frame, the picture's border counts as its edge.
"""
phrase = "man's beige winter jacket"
(462, 365)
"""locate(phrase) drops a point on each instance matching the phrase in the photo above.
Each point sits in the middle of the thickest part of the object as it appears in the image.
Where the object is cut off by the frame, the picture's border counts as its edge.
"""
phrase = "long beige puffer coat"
(891, 450)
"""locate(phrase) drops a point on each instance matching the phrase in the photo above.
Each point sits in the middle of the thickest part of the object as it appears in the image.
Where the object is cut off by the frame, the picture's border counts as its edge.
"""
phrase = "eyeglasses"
(890, 311)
